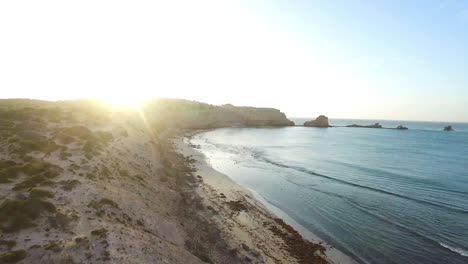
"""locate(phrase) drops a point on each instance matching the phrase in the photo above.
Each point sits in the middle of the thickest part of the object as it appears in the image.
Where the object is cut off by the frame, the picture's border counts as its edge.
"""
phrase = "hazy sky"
(359, 59)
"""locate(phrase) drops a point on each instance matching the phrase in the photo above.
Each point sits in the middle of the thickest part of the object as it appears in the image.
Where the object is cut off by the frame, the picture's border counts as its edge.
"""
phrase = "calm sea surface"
(380, 196)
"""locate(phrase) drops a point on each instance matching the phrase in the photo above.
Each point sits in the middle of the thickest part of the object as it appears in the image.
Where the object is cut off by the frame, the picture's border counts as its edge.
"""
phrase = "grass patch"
(26, 146)
(39, 171)
(20, 213)
(10, 170)
(69, 185)
(109, 202)
(99, 232)
(13, 256)
(105, 255)
(75, 133)
(9, 244)
(79, 240)
(53, 246)
(123, 133)
(40, 193)
(33, 182)
(93, 142)
(64, 155)
(104, 201)
(91, 176)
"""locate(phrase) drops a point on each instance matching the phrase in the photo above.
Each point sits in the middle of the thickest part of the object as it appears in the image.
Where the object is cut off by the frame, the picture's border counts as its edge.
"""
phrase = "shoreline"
(218, 190)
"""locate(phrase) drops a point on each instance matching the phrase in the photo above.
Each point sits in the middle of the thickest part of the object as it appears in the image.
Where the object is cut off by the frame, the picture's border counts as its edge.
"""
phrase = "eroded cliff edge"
(195, 115)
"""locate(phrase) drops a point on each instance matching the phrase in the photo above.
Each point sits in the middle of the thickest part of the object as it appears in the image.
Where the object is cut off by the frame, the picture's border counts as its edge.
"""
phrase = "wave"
(456, 250)
(260, 155)
(303, 170)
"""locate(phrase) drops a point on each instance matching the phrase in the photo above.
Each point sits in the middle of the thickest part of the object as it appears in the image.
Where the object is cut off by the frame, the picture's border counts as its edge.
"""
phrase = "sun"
(123, 100)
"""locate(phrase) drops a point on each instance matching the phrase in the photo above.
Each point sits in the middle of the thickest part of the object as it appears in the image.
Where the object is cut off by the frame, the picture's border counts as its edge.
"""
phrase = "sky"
(401, 60)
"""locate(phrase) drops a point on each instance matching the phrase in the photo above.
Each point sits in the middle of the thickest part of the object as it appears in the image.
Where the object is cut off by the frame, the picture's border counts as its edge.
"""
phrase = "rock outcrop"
(376, 125)
(320, 121)
(448, 128)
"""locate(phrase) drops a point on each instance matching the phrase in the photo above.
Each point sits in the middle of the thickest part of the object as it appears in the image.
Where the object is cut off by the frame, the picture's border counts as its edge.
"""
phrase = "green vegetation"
(105, 172)
(26, 146)
(6, 124)
(105, 255)
(91, 176)
(39, 171)
(109, 202)
(124, 133)
(77, 133)
(33, 182)
(93, 142)
(53, 246)
(40, 193)
(64, 155)
(69, 185)
(104, 201)
(124, 173)
(10, 170)
(9, 244)
(20, 213)
(36, 167)
(99, 232)
(79, 240)
(13, 256)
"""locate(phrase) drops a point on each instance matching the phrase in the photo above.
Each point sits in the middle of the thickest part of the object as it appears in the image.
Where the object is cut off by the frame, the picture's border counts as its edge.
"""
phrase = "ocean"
(379, 196)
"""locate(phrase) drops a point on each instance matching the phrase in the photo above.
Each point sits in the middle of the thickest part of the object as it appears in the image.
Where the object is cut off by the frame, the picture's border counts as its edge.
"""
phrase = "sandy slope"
(135, 209)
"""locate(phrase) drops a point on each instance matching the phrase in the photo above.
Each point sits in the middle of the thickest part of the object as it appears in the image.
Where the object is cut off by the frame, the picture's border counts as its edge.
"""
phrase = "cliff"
(190, 114)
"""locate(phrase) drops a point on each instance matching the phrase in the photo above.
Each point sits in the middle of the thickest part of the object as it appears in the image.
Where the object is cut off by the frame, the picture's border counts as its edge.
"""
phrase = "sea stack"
(448, 128)
(321, 121)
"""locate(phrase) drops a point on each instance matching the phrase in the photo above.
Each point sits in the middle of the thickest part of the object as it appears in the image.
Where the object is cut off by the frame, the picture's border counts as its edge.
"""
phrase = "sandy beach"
(246, 219)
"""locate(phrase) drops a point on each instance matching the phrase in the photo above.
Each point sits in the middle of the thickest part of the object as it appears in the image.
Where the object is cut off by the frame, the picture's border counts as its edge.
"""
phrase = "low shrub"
(69, 185)
(10, 170)
(109, 202)
(34, 181)
(64, 155)
(99, 232)
(104, 201)
(8, 244)
(20, 213)
(13, 256)
(26, 146)
(53, 246)
(40, 193)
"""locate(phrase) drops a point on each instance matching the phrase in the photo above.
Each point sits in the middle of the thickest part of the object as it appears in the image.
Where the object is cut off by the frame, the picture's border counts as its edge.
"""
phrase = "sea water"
(380, 196)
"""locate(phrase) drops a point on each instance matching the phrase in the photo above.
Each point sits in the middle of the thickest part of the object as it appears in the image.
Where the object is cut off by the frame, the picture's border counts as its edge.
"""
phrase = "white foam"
(456, 250)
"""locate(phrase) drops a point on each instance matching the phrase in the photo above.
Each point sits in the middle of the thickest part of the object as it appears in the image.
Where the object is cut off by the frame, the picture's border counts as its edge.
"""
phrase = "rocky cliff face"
(190, 114)
(321, 121)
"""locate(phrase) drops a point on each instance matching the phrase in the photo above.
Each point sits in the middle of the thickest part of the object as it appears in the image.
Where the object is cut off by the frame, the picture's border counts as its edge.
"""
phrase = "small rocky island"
(448, 128)
(320, 121)
(376, 125)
